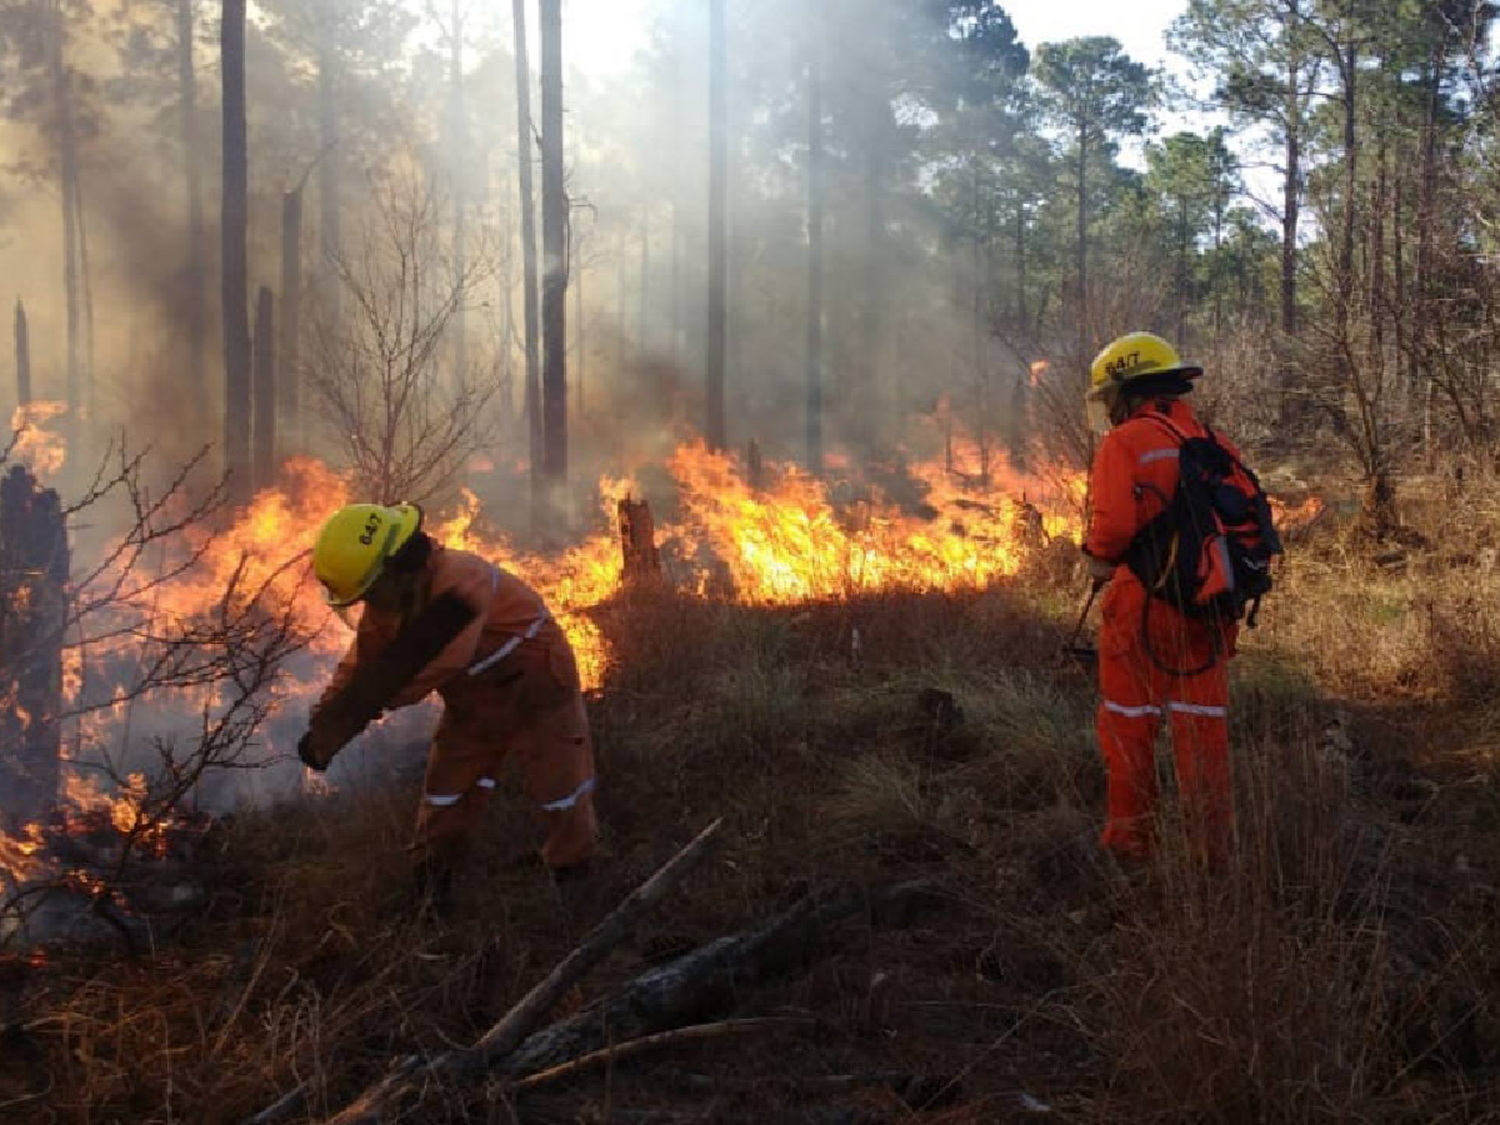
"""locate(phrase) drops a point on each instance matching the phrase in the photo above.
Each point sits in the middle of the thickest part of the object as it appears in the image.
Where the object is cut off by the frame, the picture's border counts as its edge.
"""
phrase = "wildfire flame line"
(786, 541)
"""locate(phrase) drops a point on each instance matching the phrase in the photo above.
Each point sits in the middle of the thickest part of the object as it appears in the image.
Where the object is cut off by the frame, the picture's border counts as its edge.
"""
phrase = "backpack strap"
(1161, 421)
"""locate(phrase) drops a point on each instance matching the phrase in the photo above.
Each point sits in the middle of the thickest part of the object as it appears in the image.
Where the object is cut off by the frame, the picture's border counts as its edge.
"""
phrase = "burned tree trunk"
(288, 353)
(638, 541)
(23, 356)
(458, 141)
(555, 255)
(235, 220)
(265, 390)
(580, 332)
(67, 155)
(718, 257)
(188, 93)
(533, 386)
(816, 200)
(33, 611)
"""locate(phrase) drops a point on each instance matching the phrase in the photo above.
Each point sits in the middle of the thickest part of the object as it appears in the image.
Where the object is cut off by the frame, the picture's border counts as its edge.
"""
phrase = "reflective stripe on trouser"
(1136, 691)
(556, 757)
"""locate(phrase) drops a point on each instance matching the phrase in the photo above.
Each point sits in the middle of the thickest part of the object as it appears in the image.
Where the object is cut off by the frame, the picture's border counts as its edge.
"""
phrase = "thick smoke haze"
(347, 100)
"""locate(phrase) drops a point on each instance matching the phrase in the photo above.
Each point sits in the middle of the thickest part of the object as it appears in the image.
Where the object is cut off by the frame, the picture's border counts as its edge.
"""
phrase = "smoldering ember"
(749, 560)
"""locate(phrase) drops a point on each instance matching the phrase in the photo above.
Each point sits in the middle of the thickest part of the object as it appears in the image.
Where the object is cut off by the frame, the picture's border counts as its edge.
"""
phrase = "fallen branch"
(388, 1099)
(697, 1033)
(507, 1035)
(685, 989)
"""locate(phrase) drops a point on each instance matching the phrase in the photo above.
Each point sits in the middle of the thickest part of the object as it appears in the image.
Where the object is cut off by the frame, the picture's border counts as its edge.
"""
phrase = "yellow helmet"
(354, 545)
(1133, 357)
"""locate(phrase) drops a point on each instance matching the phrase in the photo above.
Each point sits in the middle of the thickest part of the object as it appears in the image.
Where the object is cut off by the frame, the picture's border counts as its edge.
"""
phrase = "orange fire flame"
(41, 449)
(1295, 517)
(795, 539)
(789, 543)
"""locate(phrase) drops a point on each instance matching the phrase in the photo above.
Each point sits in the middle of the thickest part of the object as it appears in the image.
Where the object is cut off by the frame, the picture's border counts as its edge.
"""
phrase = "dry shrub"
(1336, 970)
(1313, 979)
(1239, 391)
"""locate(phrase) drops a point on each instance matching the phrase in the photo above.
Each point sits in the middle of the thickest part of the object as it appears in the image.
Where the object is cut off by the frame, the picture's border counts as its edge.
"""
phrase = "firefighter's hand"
(316, 753)
(1100, 571)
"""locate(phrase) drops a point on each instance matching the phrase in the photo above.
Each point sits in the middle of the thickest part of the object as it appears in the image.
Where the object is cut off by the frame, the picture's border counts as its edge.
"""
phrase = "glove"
(314, 752)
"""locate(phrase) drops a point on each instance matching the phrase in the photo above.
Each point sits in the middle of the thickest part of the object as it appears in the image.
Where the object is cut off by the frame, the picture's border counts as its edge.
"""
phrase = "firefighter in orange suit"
(447, 621)
(1153, 660)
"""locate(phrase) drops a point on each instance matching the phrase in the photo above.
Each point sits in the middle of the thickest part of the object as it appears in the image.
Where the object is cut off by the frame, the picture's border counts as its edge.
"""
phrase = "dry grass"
(1341, 969)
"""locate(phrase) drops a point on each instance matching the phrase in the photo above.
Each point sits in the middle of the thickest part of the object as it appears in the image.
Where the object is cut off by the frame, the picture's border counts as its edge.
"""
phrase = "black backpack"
(1208, 552)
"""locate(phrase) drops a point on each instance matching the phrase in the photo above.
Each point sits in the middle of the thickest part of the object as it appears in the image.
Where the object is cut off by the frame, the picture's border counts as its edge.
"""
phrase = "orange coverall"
(526, 701)
(1183, 672)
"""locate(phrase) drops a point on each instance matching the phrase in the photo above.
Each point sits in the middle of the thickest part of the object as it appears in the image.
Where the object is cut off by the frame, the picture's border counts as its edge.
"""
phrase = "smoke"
(898, 318)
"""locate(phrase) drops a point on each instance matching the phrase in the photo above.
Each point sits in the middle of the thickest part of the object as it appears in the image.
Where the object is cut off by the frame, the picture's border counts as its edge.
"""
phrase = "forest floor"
(1345, 968)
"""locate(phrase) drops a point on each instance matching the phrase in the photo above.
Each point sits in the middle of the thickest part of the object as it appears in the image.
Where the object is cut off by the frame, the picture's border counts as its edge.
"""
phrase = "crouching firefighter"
(447, 621)
(1182, 534)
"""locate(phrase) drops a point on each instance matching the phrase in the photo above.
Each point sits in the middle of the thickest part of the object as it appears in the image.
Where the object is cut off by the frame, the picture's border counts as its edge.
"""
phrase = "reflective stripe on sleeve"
(442, 800)
(486, 783)
(510, 646)
(1204, 710)
(572, 799)
(1157, 455)
(1131, 712)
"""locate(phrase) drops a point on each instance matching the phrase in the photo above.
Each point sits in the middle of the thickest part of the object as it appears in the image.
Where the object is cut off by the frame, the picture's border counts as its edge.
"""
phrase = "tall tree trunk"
(1083, 248)
(1349, 65)
(265, 389)
(1216, 274)
(675, 282)
(234, 221)
(289, 358)
(187, 83)
(816, 202)
(533, 387)
(715, 429)
(1020, 233)
(643, 298)
(33, 623)
(23, 357)
(508, 287)
(67, 154)
(580, 333)
(1398, 277)
(86, 286)
(1292, 186)
(330, 175)
(872, 315)
(555, 250)
(1376, 246)
(1421, 282)
(458, 161)
(622, 288)
(981, 381)
(1183, 244)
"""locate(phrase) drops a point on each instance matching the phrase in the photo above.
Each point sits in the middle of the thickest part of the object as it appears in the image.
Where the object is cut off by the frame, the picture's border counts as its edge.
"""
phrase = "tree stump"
(638, 542)
(755, 466)
(33, 615)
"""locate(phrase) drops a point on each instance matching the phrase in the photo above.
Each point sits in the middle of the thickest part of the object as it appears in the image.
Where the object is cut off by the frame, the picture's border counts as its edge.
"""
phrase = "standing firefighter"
(447, 621)
(1182, 533)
